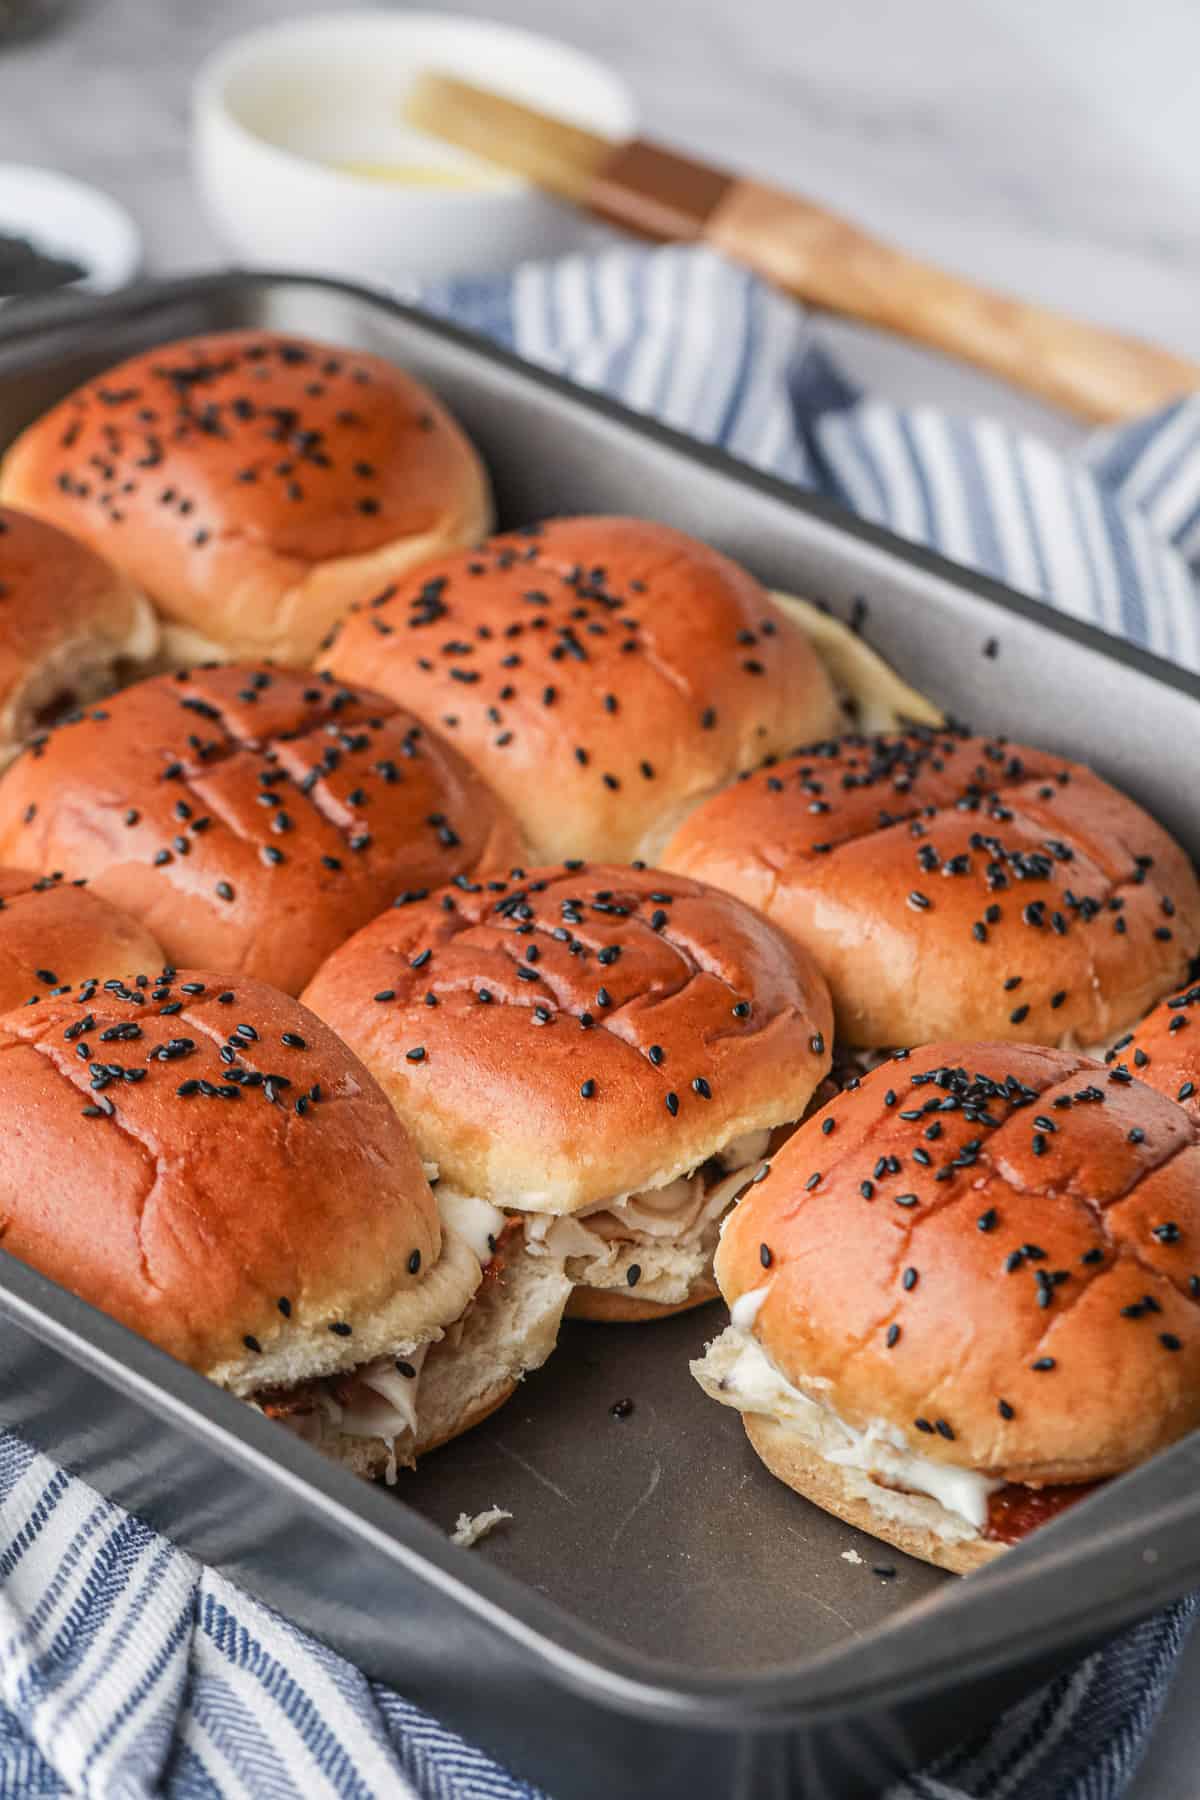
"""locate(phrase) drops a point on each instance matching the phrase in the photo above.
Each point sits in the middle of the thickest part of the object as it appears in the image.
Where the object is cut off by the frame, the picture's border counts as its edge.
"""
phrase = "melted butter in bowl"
(426, 175)
(304, 159)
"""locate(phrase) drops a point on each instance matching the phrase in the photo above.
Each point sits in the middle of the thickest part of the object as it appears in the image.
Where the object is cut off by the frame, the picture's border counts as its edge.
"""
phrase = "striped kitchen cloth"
(128, 1670)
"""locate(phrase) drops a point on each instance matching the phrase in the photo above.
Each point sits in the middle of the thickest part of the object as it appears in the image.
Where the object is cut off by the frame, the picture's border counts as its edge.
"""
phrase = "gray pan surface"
(656, 1595)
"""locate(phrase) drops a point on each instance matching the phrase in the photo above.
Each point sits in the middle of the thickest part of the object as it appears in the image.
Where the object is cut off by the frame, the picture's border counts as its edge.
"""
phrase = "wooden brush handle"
(1102, 375)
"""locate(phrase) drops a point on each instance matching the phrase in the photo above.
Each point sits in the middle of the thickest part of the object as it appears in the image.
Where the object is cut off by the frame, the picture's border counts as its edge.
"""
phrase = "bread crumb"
(851, 1556)
(468, 1531)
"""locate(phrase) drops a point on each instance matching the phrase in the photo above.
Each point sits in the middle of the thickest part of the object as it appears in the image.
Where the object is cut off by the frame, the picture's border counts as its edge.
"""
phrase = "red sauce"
(1014, 1511)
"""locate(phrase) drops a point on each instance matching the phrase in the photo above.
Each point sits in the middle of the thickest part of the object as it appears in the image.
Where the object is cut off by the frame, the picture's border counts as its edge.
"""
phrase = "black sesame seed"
(672, 1103)
(633, 1274)
(340, 1328)
(765, 1255)
(414, 1262)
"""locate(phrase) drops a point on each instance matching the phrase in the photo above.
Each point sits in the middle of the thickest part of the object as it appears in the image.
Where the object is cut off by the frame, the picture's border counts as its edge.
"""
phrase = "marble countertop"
(1052, 150)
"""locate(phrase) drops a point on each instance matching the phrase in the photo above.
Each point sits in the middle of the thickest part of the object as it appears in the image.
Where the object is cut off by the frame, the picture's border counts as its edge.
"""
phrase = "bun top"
(580, 1034)
(1164, 1051)
(958, 886)
(606, 673)
(209, 1164)
(250, 483)
(54, 934)
(66, 619)
(1016, 1292)
(252, 818)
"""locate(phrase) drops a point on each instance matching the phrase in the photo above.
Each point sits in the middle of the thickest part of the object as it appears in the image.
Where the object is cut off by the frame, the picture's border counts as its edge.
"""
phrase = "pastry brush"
(823, 259)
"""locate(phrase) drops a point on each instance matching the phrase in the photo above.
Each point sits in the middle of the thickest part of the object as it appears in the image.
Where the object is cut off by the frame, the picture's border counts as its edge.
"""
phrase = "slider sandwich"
(956, 886)
(203, 1160)
(605, 1053)
(252, 484)
(965, 1294)
(56, 934)
(604, 675)
(252, 818)
(71, 628)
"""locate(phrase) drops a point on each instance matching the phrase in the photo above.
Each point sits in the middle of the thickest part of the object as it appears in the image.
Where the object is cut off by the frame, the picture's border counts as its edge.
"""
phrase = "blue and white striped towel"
(126, 1669)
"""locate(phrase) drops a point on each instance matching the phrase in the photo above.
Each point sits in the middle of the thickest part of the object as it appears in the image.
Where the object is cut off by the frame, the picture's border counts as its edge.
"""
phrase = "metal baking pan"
(661, 1616)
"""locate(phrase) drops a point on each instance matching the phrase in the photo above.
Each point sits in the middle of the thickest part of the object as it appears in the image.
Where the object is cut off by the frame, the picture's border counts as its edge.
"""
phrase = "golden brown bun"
(609, 1306)
(1164, 1051)
(1118, 1174)
(190, 1216)
(831, 1487)
(953, 886)
(253, 485)
(71, 628)
(158, 799)
(495, 1095)
(54, 934)
(605, 674)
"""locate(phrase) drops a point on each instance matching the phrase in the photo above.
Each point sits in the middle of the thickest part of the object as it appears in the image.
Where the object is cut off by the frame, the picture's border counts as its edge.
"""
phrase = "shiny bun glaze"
(955, 886)
(560, 1040)
(605, 674)
(71, 627)
(1164, 1050)
(208, 1163)
(55, 934)
(251, 817)
(1024, 1303)
(252, 483)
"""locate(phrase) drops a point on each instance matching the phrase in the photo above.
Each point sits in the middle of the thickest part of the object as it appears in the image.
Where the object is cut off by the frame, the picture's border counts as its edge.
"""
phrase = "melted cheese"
(476, 1221)
(745, 1308)
(737, 1371)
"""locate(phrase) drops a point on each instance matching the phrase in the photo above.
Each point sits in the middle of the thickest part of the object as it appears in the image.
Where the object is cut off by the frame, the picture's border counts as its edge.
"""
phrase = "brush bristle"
(549, 152)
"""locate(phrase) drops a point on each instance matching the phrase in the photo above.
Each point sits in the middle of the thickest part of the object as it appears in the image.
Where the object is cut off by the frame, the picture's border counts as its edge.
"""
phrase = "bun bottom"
(799, 1466)
(612, 1306)
(369, 1456)
(509, 1329)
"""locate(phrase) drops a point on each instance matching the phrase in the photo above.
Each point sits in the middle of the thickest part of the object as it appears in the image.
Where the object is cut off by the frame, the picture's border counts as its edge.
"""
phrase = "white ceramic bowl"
(285, 119)
(63, 217)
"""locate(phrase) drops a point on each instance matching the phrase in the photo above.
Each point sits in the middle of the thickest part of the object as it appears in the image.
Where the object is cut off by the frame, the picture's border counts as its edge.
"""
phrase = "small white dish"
(303, 160)
(64, 218)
